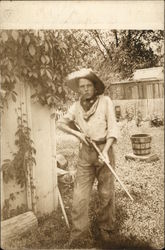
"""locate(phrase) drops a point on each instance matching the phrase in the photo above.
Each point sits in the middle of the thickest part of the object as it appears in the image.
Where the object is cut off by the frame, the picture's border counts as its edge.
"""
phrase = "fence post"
(24, 111)
(54, 156)
(31, 170)
(2, 193)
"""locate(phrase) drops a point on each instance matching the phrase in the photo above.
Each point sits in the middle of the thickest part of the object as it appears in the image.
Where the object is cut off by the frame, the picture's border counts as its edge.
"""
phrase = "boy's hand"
(105, 155)
(72, 174)
(82, 138)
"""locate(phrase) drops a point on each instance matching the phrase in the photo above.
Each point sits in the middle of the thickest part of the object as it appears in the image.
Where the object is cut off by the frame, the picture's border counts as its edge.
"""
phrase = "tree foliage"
(43, 58)
(40, 58)
(127, 50)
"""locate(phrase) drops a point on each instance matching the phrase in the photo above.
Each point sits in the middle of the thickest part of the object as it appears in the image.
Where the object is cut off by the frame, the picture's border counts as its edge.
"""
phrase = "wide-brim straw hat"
(73, 80)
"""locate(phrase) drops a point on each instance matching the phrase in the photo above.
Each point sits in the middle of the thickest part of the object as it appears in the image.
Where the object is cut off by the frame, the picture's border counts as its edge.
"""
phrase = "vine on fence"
(23, 159)
(8, 212)
(20, 167)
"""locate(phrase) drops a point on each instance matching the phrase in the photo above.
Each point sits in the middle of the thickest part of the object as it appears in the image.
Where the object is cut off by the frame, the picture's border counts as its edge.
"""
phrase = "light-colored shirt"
(101, 125)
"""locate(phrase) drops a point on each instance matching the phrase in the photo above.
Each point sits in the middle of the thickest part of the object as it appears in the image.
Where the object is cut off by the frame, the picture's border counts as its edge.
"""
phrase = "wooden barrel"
(141, 144)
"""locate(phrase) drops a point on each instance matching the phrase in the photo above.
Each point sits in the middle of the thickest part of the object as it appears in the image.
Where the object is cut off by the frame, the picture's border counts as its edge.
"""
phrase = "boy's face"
(86, 88)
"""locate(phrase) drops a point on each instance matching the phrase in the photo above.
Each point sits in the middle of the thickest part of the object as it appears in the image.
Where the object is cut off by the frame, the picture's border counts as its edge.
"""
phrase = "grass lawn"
(139, 224)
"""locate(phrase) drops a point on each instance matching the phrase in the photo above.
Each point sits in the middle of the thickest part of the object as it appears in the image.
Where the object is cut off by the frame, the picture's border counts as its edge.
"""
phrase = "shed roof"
(155, 72)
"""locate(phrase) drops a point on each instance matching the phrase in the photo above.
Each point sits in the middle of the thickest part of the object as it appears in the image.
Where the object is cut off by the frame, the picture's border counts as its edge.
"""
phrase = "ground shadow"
(116, 241)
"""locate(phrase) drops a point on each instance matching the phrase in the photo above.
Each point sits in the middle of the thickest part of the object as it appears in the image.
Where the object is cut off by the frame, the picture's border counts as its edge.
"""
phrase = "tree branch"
(93, 36)
(103, 44)
(116, 38)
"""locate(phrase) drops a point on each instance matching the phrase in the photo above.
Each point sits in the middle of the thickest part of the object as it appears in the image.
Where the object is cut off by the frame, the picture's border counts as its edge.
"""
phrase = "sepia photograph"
(82, 125)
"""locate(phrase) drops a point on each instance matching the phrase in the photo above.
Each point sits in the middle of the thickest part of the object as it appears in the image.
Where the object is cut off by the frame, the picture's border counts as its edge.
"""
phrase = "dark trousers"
(88, 168)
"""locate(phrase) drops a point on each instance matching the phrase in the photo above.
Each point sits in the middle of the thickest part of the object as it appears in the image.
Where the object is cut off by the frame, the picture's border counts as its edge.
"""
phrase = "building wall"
(43, 134)
(8, 147)
(45, 178)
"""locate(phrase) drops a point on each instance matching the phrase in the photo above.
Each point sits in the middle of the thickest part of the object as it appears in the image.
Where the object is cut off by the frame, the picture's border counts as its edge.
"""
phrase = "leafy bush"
(139, 119)
(156, 120)
(129, 113)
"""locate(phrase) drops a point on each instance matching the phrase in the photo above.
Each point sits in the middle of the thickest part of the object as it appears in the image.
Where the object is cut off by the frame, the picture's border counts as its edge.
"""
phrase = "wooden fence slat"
(54, 157)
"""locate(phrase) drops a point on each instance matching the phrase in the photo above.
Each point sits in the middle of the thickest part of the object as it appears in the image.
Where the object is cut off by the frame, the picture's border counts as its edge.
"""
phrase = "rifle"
(91, 142)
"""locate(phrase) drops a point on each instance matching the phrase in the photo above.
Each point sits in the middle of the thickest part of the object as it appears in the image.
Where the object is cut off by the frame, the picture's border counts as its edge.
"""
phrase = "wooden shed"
(145, 91)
